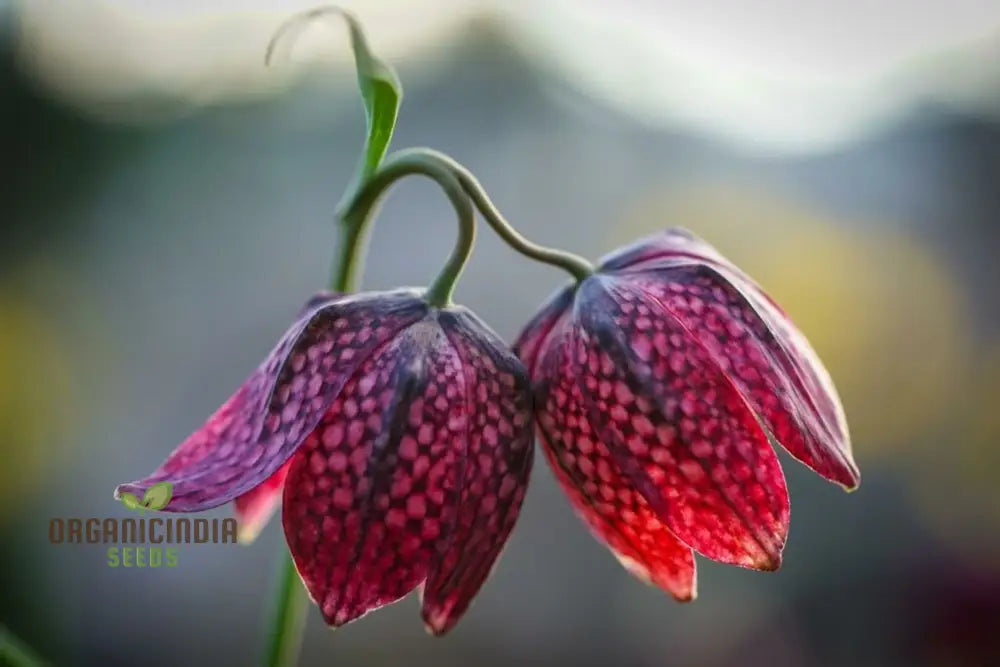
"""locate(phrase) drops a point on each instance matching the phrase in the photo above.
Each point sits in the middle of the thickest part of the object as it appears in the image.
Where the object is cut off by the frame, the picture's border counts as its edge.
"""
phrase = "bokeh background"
(166, 206)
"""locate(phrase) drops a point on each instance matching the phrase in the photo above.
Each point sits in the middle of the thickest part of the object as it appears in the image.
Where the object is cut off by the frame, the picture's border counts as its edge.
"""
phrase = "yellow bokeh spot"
(37, 407)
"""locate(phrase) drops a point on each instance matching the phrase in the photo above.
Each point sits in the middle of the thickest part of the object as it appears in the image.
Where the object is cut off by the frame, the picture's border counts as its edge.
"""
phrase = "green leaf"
(380, 88)
(382, 94)
(129, 501)
(158, 495)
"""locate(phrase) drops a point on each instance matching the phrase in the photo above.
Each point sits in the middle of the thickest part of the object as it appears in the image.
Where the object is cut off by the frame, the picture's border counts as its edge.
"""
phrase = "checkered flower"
(660, 383)
(399, 436)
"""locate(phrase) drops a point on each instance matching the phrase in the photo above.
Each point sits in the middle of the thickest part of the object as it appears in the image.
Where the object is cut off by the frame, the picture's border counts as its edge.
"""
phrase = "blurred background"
(166, 207)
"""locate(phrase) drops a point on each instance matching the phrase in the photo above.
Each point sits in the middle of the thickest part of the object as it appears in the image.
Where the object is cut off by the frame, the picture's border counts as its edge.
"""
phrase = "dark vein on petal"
(627, 362)
(411, 383)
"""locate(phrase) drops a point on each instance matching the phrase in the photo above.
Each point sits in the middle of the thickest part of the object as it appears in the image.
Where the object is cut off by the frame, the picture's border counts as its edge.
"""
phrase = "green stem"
(288, 623)
(428, 163)
(15, 652)
(576, 266)
(347, 267)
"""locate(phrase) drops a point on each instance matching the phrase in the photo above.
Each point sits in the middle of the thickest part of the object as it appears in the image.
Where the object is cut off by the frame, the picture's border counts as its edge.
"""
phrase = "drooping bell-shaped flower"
(403, 435)
(660, 382)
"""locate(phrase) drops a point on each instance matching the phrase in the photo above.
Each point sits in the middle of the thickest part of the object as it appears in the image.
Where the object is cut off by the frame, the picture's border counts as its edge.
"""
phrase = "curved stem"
(428, 163)
(575, 265)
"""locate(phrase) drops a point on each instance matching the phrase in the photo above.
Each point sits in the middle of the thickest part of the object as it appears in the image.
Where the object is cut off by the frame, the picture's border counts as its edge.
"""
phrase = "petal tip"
(847, 476)
(837, 468)
(686, 596)
(852, 482)
(692, 592)
(434, 631)
(246, 535)
(436, 625)
(852, 485)
(768, 562)
(339, 618)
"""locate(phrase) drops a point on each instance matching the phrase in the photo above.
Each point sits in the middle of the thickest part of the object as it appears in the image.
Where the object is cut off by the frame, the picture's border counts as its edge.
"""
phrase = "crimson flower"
(402, 435)
(660, 382)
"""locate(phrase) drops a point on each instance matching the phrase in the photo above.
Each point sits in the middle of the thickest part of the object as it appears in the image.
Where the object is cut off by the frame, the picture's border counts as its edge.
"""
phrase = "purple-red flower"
(660, 382)
(399, 435)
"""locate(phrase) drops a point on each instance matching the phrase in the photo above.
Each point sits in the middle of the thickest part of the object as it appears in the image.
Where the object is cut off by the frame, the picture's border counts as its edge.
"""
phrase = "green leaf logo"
(130, 501)
(157, 496)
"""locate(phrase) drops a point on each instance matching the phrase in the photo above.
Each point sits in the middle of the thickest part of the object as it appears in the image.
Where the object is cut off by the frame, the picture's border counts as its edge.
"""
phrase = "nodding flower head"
(660, 383)
(399, 435)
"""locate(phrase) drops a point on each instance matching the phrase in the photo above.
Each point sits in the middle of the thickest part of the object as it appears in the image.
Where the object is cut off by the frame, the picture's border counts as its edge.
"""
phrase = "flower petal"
(678, 428)
(785, 390)
(615, 511)
(254, 508)
(495, 464)
(533, 337)
(255, 432)
(809, 377)
(825, 444)
(316, 301)
(674, 243)
(370, 493)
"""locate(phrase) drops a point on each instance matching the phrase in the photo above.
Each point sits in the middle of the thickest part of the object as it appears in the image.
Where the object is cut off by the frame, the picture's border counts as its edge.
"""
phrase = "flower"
(405, 434)
(659, 383)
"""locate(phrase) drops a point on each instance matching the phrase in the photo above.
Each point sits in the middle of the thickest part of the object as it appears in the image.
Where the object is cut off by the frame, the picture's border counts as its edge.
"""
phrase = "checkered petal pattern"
(660, 383)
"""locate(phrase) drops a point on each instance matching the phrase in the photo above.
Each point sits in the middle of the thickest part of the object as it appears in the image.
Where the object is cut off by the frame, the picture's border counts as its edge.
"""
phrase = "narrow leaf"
(382, 94)
(380, 88)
